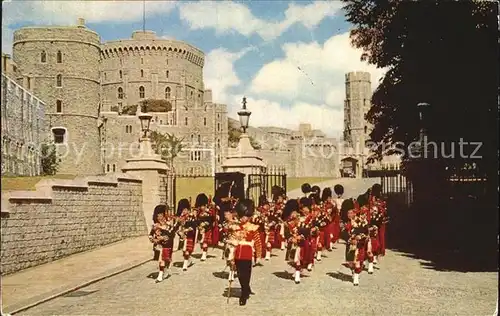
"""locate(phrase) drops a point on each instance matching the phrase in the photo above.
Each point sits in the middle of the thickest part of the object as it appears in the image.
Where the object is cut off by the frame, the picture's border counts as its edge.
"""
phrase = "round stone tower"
(358, 102)
(63, 62)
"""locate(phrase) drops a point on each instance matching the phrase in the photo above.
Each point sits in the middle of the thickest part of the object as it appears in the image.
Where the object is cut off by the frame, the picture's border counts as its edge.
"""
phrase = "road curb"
(37, 301)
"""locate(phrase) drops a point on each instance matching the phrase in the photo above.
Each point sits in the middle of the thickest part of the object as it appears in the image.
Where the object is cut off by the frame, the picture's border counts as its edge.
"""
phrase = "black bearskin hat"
(327, 193)
(314, 198)
(245, 207)
(316, 190)
(306, 188)
(290, 206)
(376, 190)
(201, 200)
(159, 209)
(277, 191)
(183, 204)
(347, 205)
(338, 189)
(362, 200)
(305, 202)
(263, 200)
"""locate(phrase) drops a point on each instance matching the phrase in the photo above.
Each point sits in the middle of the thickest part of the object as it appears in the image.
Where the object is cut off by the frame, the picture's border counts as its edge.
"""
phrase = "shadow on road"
(235, 292)
(344, 277)
(456, 235)
(221, 275)
(287, 275)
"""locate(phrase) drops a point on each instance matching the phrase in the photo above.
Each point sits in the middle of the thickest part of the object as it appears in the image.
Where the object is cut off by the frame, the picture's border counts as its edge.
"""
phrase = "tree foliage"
(156, 105)
(234, 133)
(167, 145)
(49, 160)
(444, 53)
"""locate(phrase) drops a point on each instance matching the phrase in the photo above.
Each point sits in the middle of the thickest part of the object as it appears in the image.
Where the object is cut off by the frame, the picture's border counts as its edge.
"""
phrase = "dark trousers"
(244, 269)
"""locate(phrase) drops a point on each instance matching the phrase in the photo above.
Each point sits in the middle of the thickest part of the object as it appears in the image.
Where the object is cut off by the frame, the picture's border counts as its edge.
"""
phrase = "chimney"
(81, 22)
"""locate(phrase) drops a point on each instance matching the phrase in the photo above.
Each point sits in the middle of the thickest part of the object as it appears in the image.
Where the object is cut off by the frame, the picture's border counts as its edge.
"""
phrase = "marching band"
(248, 233)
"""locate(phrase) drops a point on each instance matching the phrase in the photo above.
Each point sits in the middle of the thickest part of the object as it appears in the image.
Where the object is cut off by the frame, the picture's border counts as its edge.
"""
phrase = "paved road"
(401, 286)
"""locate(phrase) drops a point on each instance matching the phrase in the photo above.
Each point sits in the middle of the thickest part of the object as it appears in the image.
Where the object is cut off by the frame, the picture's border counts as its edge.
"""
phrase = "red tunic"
(249, 238)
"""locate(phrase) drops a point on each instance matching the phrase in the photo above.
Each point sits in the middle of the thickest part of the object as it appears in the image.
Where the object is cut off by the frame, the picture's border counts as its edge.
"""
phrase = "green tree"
(49, 160)
(167, 145)
(440, 52)
(234, 134)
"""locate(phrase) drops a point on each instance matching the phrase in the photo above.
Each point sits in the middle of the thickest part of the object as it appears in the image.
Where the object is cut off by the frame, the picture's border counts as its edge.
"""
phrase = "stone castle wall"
(63, 63)
(23, 130)
(63, 217)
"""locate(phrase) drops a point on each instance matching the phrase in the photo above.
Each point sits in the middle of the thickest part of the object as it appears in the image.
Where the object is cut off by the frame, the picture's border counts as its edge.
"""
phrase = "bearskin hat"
(347, 205)
(201, 200)
(263, 200)
(183, 204)
(376, 190)
(362, 200)
(338, 189)
(290, 206)
(327, 193)
(159, 209)
(305, 202)
(306, 188)
(245, 207)
(316, 190)
(315, 199)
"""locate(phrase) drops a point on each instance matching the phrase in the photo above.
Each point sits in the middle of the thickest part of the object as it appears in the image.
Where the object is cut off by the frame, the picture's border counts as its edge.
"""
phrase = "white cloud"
(226, 17)
(311, 72)
(219, 73)
(268, 113)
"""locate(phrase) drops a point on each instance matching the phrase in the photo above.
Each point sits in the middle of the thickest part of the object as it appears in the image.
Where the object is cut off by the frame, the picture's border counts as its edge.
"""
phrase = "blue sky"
(288, 58)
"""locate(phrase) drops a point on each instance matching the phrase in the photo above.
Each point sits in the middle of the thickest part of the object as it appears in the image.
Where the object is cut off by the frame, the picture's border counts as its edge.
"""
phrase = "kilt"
(207, 237)
(263, 244)
(321, 239)
(375, 245)
(189, 245)
(166, 254)
(381, 239)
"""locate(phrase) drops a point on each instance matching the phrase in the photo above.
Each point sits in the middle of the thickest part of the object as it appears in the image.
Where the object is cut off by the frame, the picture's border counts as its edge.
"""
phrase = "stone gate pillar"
(153, 172)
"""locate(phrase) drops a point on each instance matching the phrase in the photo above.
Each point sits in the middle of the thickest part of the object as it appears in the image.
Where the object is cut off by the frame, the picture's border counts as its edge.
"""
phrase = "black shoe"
(243, 301)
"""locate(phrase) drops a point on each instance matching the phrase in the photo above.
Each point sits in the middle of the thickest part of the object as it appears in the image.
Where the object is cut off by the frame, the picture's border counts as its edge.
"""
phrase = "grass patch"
(28, 183)
(191, 187)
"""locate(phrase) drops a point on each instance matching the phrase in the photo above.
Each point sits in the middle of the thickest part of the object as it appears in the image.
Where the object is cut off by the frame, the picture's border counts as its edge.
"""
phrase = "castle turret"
(357, 104)
(63, 64)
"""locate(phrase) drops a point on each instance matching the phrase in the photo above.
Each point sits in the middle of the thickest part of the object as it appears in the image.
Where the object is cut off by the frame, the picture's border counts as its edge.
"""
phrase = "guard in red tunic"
(359, 242)
(162, 236)
(244, 241)
(279, 200)
(187, 231)
(378, 204)
(206, 217)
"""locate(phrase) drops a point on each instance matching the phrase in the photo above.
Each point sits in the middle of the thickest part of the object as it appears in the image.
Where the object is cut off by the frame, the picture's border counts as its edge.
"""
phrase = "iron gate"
(396, 186)
(262, 184)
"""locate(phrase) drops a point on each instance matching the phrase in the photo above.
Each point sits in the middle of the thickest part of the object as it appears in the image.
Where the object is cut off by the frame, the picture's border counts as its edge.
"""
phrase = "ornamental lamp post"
(244, 115)
(145, 119)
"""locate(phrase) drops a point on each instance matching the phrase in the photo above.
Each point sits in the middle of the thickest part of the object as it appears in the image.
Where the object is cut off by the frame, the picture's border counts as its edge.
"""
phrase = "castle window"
(142, 60)
(120, 93)
(58, 106)
(28, 83)
(114, 168)
(141, 92)
(218, 142)
(43, 57)
(128, 129)
(366, 129)
(168, 72)
(167, 93)
(59, 81)
(205, 121)
(218, 159)
(161, 122)
(59, 57)
(105, 76)
(195, 155)
(142, 73)
(218, 127)
(59, 135)
(107, 168)
(199, 139)
(186, 121)
(218, 116)
(121, 74)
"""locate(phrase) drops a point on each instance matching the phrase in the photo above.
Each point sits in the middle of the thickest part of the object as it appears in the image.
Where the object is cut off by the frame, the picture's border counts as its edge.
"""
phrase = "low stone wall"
(63, 217)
